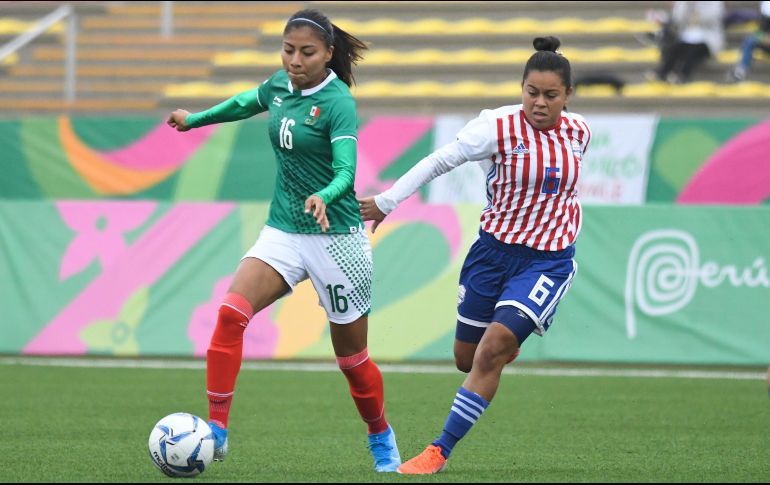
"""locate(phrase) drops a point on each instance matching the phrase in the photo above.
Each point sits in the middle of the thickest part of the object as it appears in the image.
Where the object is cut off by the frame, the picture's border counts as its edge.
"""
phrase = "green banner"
(658, 284)
(667, 284)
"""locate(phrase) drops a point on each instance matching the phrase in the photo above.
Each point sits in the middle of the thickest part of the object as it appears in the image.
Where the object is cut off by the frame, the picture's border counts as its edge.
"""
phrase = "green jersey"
(314, 135)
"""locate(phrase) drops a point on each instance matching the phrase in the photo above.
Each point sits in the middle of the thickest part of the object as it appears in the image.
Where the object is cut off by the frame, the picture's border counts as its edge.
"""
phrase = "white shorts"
(339, 265)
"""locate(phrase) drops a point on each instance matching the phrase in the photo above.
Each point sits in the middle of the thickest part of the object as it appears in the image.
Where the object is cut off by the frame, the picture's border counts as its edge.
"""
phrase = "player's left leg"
(484, 273)
(340, 267)
(495, 350)
(367, 390)
(526, 304)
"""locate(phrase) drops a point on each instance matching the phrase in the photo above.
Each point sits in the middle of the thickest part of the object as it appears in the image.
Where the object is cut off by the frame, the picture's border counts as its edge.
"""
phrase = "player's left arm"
(344, 167)
(343, 136)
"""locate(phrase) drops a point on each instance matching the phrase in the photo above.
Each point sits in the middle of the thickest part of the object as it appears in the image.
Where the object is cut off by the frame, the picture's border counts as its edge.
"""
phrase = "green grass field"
(92, 424)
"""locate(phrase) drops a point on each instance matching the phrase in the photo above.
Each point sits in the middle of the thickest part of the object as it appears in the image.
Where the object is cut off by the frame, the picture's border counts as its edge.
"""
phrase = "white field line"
(386, 368)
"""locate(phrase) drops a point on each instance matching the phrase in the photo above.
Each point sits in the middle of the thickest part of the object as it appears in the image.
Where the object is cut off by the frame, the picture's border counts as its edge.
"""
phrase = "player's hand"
(317, 206)
(370, 212)
(178, 119)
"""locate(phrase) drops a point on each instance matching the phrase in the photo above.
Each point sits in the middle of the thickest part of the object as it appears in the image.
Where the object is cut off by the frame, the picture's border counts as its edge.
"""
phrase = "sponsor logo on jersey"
(460, 294)
(520, 149)
(312, 117)
(277, 101)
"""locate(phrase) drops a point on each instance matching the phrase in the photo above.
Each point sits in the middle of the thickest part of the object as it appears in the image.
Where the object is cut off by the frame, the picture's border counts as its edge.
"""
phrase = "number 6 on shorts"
(539, 292)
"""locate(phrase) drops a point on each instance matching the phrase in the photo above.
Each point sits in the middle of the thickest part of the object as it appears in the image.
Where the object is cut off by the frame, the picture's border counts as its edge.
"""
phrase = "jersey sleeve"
(241, 106)
(343, 120)
(344, 167)
(477, 140)
(587, 137)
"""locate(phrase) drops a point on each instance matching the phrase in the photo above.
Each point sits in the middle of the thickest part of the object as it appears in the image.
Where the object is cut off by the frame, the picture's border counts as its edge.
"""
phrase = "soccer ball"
(181, 445)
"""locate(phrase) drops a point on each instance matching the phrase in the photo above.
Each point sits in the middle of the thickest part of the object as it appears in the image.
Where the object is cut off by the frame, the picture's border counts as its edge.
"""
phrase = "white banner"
(615, 168)
(616, 165)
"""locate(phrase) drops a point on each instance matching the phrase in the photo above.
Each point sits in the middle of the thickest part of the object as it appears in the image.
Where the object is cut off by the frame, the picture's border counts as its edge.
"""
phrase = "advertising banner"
(658, 284)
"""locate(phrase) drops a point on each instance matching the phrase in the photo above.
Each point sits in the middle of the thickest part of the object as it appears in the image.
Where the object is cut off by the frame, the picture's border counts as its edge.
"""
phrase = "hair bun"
(549, 43)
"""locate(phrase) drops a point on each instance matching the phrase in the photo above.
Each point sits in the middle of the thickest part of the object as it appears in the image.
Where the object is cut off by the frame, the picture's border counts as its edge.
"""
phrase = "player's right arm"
(240, 106)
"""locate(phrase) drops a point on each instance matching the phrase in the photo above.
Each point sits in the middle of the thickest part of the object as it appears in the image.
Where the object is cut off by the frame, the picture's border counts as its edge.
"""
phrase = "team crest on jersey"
(520, 149)
(576, 150)
(312, 117)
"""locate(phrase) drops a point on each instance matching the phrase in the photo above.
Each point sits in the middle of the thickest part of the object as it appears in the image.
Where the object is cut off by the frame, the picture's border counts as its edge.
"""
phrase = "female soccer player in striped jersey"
(522, 263)
(314, 229)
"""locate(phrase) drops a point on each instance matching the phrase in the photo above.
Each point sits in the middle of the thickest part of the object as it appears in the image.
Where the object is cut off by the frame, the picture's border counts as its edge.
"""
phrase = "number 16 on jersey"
(284, 135)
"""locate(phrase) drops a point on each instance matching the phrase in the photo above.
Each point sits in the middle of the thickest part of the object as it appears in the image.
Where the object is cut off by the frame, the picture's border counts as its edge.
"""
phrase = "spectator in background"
(696, 34)
(758, 40)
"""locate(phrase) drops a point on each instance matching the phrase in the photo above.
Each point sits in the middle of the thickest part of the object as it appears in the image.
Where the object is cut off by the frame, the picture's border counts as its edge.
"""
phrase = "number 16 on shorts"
(339, 302)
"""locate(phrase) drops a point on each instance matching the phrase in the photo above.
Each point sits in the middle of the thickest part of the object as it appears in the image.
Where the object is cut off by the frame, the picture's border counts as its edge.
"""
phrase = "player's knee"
(235, 309)
(464, 352)
(229, 330)
(492, 355)
(232, 318)
(463, 362)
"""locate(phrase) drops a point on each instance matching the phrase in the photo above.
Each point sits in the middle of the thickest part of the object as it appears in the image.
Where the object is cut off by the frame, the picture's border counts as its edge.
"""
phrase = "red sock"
(223, 359)
(366, 388)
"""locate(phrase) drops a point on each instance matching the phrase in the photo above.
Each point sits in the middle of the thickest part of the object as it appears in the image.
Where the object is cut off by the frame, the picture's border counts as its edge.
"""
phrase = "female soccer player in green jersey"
(314, 229)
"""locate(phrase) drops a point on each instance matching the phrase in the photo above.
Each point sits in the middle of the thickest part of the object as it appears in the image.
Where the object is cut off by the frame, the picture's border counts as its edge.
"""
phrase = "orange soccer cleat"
(429, 461)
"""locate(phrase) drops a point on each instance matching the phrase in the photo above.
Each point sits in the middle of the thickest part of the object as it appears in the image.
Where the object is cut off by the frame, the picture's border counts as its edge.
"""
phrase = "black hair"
(548, 59)
(347, 48)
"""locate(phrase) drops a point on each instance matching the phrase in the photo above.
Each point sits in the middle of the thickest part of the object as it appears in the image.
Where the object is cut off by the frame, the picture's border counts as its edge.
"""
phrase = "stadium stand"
(422, 60)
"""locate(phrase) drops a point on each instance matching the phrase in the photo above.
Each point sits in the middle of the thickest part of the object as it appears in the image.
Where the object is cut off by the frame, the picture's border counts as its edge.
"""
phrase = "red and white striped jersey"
(531, 176)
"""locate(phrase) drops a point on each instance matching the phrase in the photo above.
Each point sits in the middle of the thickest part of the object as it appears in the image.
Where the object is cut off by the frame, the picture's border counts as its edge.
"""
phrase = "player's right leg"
(482, 276)
(268, 271)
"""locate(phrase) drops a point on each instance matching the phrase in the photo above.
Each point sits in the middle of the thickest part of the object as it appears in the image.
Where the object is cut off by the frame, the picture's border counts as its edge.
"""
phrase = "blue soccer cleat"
(220, 441)
(384, 450)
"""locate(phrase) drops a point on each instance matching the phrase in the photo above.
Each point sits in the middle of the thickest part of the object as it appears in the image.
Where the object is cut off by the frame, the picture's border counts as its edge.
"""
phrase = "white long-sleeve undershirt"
(437, 163)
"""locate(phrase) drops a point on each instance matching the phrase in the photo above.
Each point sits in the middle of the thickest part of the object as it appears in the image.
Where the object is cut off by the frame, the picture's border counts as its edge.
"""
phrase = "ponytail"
(347, 51)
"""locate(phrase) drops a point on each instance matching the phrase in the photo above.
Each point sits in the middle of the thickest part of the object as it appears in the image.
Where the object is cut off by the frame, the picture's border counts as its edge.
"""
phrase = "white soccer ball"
(181, 445)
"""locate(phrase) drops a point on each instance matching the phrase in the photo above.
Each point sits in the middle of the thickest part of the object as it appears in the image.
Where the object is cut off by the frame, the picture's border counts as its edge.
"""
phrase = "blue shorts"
(508, 283)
